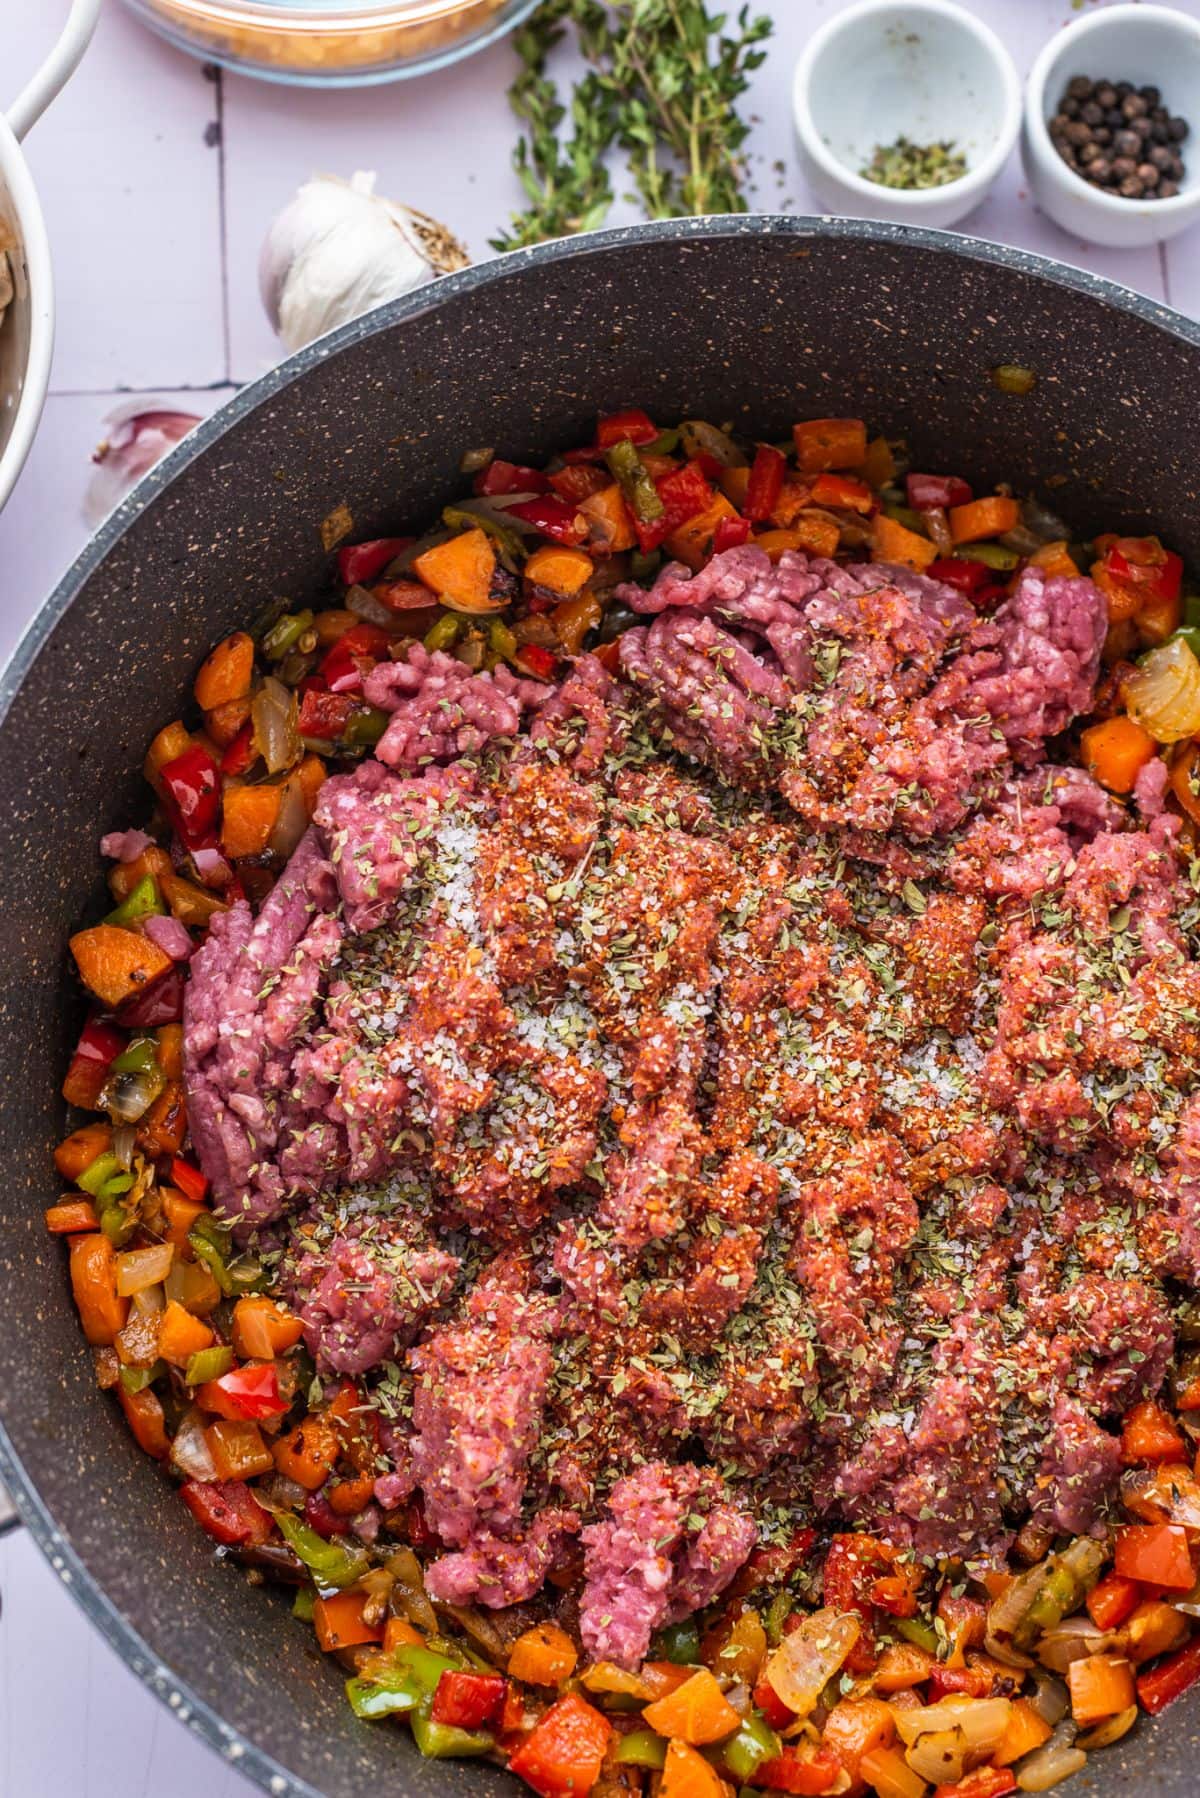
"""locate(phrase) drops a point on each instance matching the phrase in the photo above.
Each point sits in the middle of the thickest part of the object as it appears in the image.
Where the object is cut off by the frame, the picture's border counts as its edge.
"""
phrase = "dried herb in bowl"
(908, 165)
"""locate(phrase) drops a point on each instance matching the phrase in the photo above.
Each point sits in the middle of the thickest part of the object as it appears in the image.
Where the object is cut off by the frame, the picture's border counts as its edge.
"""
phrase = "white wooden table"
(158, 181)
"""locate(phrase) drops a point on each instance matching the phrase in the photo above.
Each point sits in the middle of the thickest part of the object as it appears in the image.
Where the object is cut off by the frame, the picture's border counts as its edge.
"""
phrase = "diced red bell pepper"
(98, 1047)
(707, 463)
(684, 493)
(228, 1510)
(1113, 1600)
(1157, 1554)
(957, 571)
(190, 1181)
(765, 483)
(808, 1778)
(244, 1392)
(562, 1755)
(776, 1712)
(535, 659)
(971, 1682)
(844, 493)
(554, 518)
(1170, 1679)
(633, 426)
(324, 714)
(468, 1700)
(851, 1563)
(988, 596)
(192, 786)
(510, 477)
(575, 484)
(240, 753)
(773, 1564)
(931, 492)
(985, 1782)
(1148, 1434)
(730, 533)
(352, 657)
(160, 1003)
(359, 563)
(320, 1515)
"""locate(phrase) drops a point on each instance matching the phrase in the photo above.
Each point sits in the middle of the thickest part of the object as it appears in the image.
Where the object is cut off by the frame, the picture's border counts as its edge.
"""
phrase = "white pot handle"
(58, 67)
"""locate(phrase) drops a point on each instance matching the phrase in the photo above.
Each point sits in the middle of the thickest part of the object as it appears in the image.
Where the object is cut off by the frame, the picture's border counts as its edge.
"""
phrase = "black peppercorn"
(1078, 133)
(1124, 89)
(1126, 143)
(1099, 171)
(1147, 174)
(1091, 113)
(1123, 167)
(1178, 129)
(1150, 95)
(1161, 157)
(1131, 188)
(1119, 137)
(1079, 87)
(1167, 190)
(1133, 106)
(1106, 93)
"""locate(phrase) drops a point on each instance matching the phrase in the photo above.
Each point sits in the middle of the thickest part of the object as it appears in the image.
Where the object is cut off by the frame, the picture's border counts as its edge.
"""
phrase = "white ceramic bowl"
(922, 69)
(1150, 46)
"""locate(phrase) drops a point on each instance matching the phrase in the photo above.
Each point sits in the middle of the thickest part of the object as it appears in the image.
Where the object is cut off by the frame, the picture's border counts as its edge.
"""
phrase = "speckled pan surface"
(759, 321)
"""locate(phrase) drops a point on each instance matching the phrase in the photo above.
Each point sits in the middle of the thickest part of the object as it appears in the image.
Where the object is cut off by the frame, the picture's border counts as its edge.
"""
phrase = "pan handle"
(58, 67)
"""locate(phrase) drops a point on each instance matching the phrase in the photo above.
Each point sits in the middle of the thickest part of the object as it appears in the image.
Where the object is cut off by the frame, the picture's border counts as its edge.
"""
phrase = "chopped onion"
(940, 1756)
(699, 438)
(1072, 1640)
(1055, 1760)
(273, 716)
(363, 603)
(1006, 1615)
(1163, 692)
(982, 1720)
(292, 820)
(938, 526)
(150, 1301)
(807, 1659)
(124, 1138)
(129, 1096)
(409, 1590)
(1110, 1731)
(1050, 1698)
(189, 1449)
(139, 1268)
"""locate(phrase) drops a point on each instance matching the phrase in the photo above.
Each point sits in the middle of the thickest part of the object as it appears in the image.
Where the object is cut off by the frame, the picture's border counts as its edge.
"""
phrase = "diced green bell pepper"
(332, 1566)
(285, 633)
(777, 1614)
(304, 1603)
(1070, 1576)
(390, 1697)
(444, 1741)
(913, 1630)
(908, 517)
(641, 1748)
(992, 555)
(136, 1379)
(425, 1665)
(1190, 634)
(210, 1244)
(753, 1745)
(501, 641)
(142, 901)
(643, 568)
(633, 478)
(209, 1364)
(678, 1642)
(509, 541)
(443, 634)
(365, 727)
(104, 1177)
(666, 443)
(118, 1223)
(1191, 609)
(138, 1057)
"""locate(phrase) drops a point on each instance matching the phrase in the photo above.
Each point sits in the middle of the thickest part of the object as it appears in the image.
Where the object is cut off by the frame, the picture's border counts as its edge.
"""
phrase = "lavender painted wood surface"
(158, 181)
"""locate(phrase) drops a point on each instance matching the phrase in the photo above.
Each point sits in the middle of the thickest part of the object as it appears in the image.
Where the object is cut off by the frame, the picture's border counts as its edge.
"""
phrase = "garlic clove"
(138, 434)
(338, 249)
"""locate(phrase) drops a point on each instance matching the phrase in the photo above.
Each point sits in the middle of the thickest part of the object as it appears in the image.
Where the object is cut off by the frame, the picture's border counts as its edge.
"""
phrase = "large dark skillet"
(756, 320)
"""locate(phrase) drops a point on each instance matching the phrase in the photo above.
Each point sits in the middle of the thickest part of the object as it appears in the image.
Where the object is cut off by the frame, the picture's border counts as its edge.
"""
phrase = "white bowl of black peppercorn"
(1111, 139)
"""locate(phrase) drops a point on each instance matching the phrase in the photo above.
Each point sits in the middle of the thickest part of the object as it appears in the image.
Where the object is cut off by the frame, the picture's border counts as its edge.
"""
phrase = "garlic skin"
(137, 435)
(337, 249)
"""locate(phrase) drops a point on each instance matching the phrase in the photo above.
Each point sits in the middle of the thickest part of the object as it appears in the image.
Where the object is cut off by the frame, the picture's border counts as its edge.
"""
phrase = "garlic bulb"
(337, 249)
(137, 435)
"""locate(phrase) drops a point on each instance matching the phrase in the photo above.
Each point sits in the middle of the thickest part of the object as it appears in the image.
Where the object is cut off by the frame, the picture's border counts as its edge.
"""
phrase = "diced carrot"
(226, 672)
(144, 1415)
(1149, 1433)
(889, 1775)
(697, 1712)
(687, 1774)
(117, 964)
(71, 1216)
(1156, 1553)
(312, 778)
(892, 541)
(609, 524)
(349, 1497)
(94, 1284)
(460, 572)
(126, 875)
(879, 464)
(902, 1665)
(794, 496)
(248, 816)
(1112, 1601)
(191, 904)
(987, 517)
(1115, 751)
(225, 722)
(562, 570)
(76, 1153)
(543, 1656)
(162, 1129)
(181, 1214)
(1155, 1628)
(170, 742)
(339, 1622)
(1024, 1731)
(692, 541)
(1054, 559)
(855, 1727)
(181, 1335)
(398, 1632)
(237, 1449)
(733, 483)
(262, 1329)
(823, 443)
(169, 1038)
(1101, 1685)
(307, 1453)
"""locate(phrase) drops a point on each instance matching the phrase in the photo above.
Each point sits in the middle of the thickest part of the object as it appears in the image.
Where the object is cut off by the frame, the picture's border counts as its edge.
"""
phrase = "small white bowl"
(922, 69)
(1150, 46)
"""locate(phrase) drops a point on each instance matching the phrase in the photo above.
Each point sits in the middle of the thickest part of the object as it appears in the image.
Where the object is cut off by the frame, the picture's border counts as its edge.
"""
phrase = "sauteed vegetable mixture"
(646, 1158)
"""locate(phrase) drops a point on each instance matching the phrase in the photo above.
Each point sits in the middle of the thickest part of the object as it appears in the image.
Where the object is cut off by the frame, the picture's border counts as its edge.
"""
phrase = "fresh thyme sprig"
(663, 81)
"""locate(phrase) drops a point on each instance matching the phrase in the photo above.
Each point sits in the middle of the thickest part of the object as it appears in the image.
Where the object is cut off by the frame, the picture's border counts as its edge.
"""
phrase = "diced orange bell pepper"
(983, 518)
(181, 1335)
(1156, 1553)
(117, 964)
(1149, 1433)
(1024, 1732)
(144, 1415)
(460, 572)
(823, 443)
(543, 1656)
(226, 672)
(889, 1775)
(76, 1153)
(398, 1632)
(692, 541)
(249, 815)
(349, 1497)
(901, 1666)
(564, 571)
(237, 1449)
(892, 541)
(1154, 1628)
(162, 1129)
(181, 1214)
(697, 1712)
(1054, 559)
(843, 492)
(94, 1283)
(855, 1727)
(610, 527)
(307, 1454)
(262, 1329)
(171, 742)
(564, 1752)
(687, 1774)
(1115, 751)
(1101, 1685)
(124, 876)
(339, 1622)
(71, 1217)
(1112, 1601)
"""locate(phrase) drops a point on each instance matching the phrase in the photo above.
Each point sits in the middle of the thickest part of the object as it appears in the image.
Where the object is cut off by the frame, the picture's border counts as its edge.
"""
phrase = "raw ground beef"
(771, 1057)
